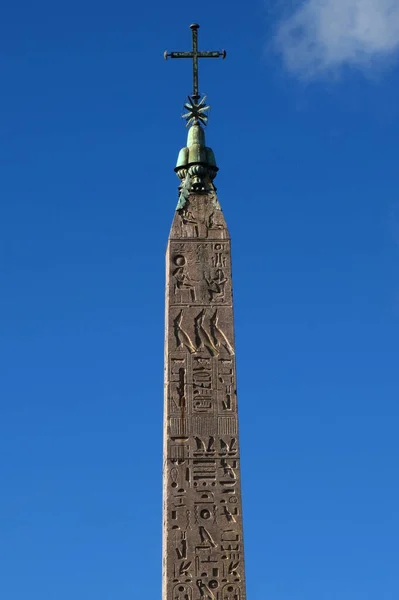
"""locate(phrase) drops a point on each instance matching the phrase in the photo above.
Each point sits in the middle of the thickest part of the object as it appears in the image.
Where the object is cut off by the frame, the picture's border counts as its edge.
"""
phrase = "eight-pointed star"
(196, 112)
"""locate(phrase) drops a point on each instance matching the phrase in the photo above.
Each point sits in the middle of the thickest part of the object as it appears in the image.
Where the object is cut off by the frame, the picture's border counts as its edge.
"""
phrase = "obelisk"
(203, 552)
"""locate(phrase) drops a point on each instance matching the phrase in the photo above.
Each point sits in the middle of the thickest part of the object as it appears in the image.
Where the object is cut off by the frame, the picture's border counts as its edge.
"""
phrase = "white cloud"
(324, 35)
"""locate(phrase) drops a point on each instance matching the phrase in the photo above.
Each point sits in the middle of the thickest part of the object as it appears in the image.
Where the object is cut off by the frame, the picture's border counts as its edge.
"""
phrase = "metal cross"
(195, 55)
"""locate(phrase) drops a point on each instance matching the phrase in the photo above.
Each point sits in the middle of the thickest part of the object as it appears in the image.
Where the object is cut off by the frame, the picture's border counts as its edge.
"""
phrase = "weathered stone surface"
(203, 537)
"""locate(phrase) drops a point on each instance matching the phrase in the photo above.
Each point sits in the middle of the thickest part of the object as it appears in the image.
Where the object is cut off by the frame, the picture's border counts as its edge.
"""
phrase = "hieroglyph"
(203, 536)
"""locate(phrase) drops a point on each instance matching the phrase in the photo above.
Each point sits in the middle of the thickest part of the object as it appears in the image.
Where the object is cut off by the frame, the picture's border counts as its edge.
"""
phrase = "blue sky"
(305, 128)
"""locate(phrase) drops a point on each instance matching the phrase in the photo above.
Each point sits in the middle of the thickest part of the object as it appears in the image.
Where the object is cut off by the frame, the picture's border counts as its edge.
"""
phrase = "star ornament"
(196, 111)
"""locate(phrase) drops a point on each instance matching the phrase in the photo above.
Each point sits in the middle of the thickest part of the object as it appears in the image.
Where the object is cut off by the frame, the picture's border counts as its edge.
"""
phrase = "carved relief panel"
(200, 273)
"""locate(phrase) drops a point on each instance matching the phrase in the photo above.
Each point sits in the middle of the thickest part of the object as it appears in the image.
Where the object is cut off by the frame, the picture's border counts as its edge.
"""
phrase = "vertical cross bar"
(194, 28)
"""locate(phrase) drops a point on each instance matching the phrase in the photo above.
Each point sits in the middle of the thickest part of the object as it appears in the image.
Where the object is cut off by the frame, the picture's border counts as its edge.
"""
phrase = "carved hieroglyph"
(203, 536)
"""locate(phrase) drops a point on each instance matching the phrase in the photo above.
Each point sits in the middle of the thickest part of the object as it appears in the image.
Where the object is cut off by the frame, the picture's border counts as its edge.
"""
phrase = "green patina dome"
(196, 152)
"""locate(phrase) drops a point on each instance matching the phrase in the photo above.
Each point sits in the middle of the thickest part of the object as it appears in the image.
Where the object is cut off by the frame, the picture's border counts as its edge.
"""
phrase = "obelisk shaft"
(203, 535)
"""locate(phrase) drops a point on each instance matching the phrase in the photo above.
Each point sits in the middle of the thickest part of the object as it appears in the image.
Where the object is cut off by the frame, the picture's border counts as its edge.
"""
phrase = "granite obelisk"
(203, 553)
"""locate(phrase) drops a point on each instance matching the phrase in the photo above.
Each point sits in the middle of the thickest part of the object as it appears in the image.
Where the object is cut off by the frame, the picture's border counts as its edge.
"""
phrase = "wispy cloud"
(324, 35)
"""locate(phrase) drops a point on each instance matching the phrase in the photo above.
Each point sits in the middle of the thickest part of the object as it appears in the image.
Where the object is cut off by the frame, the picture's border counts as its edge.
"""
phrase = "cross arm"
(210, 54)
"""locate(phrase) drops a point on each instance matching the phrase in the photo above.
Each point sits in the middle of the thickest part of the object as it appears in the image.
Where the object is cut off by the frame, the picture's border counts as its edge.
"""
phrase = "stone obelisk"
(203, 550)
